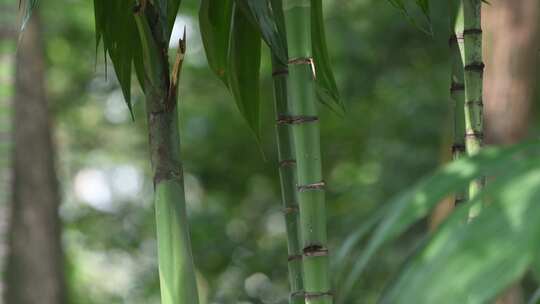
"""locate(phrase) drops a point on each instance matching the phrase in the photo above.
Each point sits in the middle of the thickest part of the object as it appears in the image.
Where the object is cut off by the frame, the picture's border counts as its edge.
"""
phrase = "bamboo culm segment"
(473, 70)
(287, 173)
(306, 137)
(457, 87)
(176, 269)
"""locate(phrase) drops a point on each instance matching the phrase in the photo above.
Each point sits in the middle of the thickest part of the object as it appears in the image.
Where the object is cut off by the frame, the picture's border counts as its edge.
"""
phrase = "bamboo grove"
(135, 35)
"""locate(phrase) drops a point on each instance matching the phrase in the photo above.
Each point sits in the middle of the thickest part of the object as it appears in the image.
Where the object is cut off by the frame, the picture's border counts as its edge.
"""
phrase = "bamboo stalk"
(457, 87)
(176, 269)
(304, 122)
(473, 70)
(287, 166)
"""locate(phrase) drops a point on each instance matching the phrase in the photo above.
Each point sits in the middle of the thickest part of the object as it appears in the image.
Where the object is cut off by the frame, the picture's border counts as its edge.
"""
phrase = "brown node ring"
(475, 67)
(295, 119)
(278, 72)
(312, 187)
(315, 251)
(475, 134)
(305, 60)
(287, 163)
(314, 295)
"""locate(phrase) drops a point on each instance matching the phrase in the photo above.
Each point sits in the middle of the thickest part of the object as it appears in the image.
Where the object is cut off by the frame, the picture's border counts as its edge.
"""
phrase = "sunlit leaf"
(410, 206)
(473, 262)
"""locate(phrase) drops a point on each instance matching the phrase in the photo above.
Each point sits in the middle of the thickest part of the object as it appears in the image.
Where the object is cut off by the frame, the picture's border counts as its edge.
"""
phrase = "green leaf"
(260, 14)
(115, 26)
(473, 262)
(326, 86)
(410, 206)
(243, 65)
(27, 6)
(215, 18)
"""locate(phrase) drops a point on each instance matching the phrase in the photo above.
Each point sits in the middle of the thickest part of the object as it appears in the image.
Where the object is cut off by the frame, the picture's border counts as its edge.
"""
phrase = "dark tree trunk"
(34, 271)
(512, 40)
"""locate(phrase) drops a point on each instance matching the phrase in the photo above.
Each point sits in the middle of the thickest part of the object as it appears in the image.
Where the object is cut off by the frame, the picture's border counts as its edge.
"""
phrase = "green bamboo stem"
(175, 260)
(473, 67)
(457, 87)
(287, 173)
(303, 120)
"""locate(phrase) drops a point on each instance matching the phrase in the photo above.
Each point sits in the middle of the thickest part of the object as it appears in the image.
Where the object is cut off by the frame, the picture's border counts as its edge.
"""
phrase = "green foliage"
(260, 14)
(473, 262)
(115, 26)
(409, 207)
(265, 17)
(244, 63)
(326, 86)
(215, 19)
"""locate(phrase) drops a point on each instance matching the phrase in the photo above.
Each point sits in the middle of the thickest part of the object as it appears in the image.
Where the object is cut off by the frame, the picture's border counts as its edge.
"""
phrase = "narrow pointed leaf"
(473, 262)
(326, 86)
(261, 15)
(215, 19)
(115, 27)
(412, 205)
(27, 6)
(243, 64)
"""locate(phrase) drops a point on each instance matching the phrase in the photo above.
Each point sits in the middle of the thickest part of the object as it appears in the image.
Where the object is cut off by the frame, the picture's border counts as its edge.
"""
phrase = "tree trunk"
(34, 271)
(512, 41)
(512, 38)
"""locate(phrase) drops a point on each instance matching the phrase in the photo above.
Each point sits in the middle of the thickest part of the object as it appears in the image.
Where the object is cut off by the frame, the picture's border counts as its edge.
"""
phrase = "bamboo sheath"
(176, 269)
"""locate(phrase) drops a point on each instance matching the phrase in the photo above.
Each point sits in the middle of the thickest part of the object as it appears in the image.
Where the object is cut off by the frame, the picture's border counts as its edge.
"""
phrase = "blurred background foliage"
(393, 79)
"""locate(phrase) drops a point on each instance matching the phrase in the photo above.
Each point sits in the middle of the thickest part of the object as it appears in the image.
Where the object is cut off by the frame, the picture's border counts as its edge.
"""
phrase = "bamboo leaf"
(243, 65)
(326, 86)
(412, 205)
(115, 26)
(27, 7)
(260, 14)
(215, 18)
(473, 262)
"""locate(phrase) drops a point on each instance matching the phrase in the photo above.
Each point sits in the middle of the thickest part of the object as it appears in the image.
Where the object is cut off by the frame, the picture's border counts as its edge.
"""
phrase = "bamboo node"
(294, 257)
(475, 67)
(458, 148)
(315, 251)
(474, 102)
(305, 60)
(314, 295)
(289, 210)
(287, 163)
(474, 134)
(456, 86)
(472, 31)
(312, 187)
(278, 72)
(295, 294)
(459, 201)
(295, 119)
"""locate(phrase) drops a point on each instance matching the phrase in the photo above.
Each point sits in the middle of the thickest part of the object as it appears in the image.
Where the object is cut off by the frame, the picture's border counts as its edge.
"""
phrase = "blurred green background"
(393, 78)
